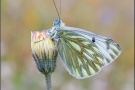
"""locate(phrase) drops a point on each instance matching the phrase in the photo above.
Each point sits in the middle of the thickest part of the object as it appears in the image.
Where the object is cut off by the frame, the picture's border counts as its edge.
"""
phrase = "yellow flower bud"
(44, 51)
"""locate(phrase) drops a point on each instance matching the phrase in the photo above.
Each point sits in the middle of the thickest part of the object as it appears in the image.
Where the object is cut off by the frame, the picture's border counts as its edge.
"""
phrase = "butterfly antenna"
(57, 9)
(60, 8)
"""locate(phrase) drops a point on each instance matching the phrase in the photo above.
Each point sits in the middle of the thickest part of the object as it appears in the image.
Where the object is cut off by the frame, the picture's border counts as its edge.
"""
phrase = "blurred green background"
(110, 18)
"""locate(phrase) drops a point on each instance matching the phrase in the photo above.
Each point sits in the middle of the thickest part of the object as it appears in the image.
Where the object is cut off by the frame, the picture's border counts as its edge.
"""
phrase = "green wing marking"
(80, 55)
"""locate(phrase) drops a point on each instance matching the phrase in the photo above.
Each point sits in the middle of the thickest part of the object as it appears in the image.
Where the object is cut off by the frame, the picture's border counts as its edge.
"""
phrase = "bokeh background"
(110, 18)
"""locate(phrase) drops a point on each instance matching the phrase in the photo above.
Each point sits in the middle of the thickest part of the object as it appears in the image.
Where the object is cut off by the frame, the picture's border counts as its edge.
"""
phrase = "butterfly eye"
(56, 22)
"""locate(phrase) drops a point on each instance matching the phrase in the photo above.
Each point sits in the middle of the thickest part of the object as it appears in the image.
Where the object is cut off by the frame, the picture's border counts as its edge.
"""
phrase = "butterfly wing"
(109, 49)
(79, 54)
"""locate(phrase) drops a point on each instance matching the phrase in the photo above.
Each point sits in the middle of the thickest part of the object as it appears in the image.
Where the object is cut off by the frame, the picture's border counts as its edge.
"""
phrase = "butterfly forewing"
(79, 54)
(109, 49)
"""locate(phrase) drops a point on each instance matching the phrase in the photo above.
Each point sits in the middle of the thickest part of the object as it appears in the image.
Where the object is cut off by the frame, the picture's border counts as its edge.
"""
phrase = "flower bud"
(44, 51)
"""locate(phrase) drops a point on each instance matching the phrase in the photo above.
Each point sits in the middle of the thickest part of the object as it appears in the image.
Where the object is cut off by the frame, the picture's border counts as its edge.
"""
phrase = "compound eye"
(56, 22)
(57, 28)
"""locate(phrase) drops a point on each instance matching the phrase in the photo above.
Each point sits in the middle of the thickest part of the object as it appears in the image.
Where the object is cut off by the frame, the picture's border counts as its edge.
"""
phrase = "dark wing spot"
(93, 39)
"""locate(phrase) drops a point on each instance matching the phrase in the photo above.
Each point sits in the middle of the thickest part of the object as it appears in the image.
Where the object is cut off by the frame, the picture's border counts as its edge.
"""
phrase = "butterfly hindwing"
(79, 54)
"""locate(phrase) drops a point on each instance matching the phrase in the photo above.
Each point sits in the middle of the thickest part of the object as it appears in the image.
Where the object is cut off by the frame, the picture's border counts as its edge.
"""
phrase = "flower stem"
(48, 81)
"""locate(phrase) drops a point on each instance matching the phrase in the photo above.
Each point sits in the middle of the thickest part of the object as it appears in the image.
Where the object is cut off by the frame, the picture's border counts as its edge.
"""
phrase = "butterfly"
(83, 53)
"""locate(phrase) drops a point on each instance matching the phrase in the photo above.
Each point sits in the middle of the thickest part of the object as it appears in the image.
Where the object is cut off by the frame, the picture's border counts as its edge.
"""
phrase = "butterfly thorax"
(57, 24)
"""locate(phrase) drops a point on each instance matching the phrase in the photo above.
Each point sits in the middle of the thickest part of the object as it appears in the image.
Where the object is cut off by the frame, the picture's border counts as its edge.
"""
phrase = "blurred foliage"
(111, 18)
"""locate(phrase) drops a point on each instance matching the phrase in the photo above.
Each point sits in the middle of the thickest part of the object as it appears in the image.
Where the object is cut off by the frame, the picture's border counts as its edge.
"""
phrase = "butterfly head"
(58, 22)
(57, 25)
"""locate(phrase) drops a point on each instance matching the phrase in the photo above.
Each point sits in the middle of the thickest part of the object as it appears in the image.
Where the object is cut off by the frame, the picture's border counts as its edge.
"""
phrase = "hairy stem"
(48, 81)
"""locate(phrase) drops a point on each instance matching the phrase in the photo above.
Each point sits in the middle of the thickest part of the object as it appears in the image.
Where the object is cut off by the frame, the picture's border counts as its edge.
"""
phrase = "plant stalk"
(48, 81)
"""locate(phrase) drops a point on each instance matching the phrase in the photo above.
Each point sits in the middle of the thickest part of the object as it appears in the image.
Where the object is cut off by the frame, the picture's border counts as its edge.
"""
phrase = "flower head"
(43, 51)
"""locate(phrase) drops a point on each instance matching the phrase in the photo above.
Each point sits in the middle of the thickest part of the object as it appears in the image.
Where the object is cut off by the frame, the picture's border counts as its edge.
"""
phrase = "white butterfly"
(83, 53)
